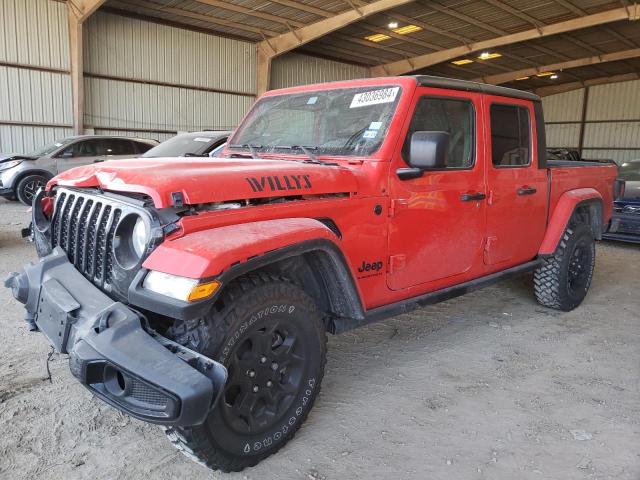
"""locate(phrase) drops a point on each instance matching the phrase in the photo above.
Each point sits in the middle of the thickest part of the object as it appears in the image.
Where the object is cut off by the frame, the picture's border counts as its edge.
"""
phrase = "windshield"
(194, 145)
(629, 171)
(346, 121)
(46, 150)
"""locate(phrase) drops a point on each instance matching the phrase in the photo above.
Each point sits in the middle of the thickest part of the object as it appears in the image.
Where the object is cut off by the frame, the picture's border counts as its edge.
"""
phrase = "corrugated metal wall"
(35, 88)
(151, 79)
(293, 69)
(611, 120)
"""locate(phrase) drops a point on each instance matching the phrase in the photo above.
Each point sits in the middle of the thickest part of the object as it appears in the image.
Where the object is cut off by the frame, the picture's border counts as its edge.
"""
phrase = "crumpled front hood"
(211, 180)
(6, 157)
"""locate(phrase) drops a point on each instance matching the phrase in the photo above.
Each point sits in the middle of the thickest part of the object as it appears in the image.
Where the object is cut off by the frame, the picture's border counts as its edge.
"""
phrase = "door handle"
(471, 197)
(527, 190)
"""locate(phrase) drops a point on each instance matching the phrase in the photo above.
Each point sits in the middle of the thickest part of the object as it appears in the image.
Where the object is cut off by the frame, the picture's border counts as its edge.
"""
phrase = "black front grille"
(632, 227)
(84, 227)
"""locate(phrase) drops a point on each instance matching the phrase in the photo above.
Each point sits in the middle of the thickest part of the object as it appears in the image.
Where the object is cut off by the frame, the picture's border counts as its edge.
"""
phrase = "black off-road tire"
(28, 186)
(249, 306)
(563, 280)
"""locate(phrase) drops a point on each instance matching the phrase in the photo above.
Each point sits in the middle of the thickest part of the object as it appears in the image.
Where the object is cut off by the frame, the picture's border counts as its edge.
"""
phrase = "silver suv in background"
(22, 175)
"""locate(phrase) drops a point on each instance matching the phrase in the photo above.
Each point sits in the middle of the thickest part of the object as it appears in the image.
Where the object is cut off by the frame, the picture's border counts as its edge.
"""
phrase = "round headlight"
(140, 237)
(130, 242)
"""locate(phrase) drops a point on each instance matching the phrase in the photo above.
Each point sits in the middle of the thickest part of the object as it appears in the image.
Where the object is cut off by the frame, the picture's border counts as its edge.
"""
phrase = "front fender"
(567, 203)
(208, 253)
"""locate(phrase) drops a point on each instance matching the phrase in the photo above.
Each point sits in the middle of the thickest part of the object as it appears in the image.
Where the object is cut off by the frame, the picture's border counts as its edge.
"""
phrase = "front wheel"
(28, 187)
(270, 336)
(563, 280)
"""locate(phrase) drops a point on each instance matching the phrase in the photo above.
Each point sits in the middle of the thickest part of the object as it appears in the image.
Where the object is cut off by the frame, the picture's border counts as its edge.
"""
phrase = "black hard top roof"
(468, 86)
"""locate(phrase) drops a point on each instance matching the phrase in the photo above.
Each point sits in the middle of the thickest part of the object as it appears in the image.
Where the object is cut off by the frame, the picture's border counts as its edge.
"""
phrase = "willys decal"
(279, 182)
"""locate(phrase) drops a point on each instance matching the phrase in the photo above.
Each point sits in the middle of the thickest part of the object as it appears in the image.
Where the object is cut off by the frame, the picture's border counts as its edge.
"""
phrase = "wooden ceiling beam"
(82, 9)
(421, 61)
(301, 36)
(285, 42)
(579, 62)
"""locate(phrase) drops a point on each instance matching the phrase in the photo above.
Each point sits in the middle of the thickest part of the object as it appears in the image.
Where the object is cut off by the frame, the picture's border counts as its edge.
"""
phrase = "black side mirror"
(428, 150)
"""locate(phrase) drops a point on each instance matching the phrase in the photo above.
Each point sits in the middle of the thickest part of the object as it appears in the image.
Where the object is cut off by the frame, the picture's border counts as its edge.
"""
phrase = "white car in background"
(193, 144)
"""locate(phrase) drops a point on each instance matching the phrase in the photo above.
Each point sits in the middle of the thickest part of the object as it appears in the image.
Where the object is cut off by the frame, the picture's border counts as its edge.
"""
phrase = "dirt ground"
(487, 386)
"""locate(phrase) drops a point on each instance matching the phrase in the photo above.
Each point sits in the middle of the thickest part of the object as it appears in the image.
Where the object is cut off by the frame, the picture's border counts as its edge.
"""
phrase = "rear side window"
(510, 136)
(456, 117)
(116, 146)
(142, 147)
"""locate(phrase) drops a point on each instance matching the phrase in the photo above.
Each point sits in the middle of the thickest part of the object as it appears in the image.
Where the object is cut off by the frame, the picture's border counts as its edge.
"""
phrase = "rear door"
(516, 186)
(436, 227)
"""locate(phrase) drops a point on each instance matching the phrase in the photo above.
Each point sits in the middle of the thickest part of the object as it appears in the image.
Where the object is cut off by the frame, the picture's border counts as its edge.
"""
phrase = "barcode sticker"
(374, 97)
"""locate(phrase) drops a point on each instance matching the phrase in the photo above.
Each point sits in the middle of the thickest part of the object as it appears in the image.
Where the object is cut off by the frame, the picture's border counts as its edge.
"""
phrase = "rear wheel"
(28, 187)
(564, 279)
(270, 336)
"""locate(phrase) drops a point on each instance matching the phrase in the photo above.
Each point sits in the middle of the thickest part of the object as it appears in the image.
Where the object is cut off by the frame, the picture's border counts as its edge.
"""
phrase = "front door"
(517, 187)
(80, 153)
(436, 228)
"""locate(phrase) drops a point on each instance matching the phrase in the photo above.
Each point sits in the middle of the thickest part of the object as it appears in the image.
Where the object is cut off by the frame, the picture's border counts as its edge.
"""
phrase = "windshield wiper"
(251, 148)
(308, 151)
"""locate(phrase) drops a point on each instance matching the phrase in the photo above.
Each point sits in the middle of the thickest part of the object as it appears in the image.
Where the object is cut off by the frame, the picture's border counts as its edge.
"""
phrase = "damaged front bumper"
(110, 352)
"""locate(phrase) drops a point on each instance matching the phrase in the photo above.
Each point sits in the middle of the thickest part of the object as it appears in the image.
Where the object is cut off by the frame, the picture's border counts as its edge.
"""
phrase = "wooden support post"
(77, 12)
(77, 77)
(583, 120)
(263, 71)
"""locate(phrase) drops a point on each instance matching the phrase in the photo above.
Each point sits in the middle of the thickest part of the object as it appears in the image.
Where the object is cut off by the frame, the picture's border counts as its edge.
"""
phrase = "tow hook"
(19, 286)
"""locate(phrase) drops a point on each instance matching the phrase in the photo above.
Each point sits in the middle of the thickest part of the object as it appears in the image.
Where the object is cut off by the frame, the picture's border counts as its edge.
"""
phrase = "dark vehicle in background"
(192, 144)
(22, 175)
(625, 222)
(571, 155)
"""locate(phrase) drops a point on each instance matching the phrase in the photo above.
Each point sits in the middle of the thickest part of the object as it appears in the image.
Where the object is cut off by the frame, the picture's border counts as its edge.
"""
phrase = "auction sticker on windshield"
(374, 97)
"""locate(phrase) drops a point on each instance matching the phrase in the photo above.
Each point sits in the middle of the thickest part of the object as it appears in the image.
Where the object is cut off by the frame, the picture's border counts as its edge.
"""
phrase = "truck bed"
(570, 175)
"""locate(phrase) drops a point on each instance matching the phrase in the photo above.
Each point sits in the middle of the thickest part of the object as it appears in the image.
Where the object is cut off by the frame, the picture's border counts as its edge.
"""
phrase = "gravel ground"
(487, 386)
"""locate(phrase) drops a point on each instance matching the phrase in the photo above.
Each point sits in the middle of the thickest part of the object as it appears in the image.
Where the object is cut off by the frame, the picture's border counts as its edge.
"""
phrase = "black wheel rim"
(579, 268)
(266, 369)
(31, 188)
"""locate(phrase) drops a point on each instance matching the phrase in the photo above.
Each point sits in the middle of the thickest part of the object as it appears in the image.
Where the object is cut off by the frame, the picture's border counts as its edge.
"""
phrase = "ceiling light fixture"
(522, 78)
(393, 25)
(378, 37)
(462, 61)
(554, 77)
(407, 29)
(489, 55)
(545, 74)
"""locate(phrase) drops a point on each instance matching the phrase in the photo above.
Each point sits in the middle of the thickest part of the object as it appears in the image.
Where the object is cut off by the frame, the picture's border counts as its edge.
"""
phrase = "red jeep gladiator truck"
(197, 293)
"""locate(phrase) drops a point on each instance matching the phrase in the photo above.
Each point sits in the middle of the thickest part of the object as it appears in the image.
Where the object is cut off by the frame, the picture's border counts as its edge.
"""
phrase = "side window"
(510, 136)
(86, 148)
(453, 116)
(116, 146)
